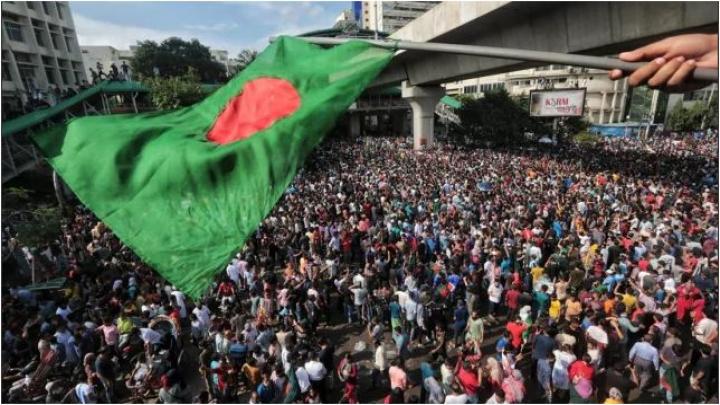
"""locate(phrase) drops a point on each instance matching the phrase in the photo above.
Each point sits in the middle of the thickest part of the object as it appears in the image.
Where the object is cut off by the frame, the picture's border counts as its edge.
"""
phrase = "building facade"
(604, 101)
(40, 51)
(390, 16)
(105, 56)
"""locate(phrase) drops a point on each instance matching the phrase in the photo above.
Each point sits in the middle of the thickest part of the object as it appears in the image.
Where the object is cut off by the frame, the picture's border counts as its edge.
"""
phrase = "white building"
(390, 16)
(346, 15)
(39, 50)
(604, 101)
(106, 56)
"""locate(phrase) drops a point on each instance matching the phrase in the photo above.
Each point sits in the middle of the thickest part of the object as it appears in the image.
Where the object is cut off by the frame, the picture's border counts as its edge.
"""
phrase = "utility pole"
(712, 93)
(376, 18)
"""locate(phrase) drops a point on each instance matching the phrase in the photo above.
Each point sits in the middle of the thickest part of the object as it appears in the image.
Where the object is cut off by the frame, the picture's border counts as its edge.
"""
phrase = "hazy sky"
(232, 26)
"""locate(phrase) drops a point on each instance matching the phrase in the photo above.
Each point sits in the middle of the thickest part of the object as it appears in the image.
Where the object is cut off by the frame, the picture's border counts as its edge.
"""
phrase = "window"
(27, 75)
(30, 5)
(64, 75)
(50, 76)
(14, 31)
(67, 43)
(54, 41)
(562, 80)
(470, 89)
(6, 71)
(84, 51)
(39, 38)
(22, 57)
(47, 61)
(59, 10)
(45, 7)
(78, 77)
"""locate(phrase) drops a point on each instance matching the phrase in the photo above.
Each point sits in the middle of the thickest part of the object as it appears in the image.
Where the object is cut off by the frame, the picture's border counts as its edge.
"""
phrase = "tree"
(36, 224)
(494, 118)
(173, 56)
(347, 26)
(245, 58)
(683, 119)
(175, 92)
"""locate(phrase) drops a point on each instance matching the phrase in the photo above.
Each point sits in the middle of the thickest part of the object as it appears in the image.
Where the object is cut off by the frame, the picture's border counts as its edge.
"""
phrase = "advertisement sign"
(557, 103)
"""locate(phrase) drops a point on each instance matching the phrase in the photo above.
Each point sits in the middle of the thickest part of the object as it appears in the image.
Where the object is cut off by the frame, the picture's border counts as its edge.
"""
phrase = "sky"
(232, 26)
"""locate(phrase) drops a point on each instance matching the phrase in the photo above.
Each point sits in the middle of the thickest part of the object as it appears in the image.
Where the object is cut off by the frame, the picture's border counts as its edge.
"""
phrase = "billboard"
(557, 103)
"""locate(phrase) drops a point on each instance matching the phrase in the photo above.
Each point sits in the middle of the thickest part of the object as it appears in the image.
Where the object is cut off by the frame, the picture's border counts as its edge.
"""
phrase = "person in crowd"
(464, 275)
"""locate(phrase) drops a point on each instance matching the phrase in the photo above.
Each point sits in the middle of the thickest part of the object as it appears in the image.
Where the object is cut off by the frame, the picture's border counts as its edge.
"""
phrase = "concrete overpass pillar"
(422, 100)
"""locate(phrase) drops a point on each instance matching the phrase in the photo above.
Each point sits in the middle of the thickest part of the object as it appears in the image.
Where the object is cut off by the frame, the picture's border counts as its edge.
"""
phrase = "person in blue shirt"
(541, 300)
(266, 389)
(557, 227)
(401, 343)
(612, 279)
(395, 312)
(502, 344)
(460, 323)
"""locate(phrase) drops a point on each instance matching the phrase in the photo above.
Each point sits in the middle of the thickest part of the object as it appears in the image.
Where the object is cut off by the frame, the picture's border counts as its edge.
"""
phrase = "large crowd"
(577, 273)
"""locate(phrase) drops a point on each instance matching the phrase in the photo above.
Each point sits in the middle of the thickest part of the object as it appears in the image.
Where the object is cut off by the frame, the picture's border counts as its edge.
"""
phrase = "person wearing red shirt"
(511, 300)
(581, 376)
(685, 293)
(698, 305)
(516, 329)
(467, 376)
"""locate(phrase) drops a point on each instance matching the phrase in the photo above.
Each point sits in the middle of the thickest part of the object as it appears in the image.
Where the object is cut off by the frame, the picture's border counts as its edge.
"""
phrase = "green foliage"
(464, 98)
(683, 119)
(494, 118)
(586, 137)
(175, 92)
(173, 57)
(35, 224)
(245, 58)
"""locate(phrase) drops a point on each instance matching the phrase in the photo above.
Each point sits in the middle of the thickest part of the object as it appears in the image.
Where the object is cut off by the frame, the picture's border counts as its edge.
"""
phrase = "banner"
(557, 103)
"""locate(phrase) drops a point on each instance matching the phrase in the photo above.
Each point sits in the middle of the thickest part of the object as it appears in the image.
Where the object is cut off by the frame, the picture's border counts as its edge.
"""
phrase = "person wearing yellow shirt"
(629, 300)
(536, 272)
(124, 324)
(554, 310)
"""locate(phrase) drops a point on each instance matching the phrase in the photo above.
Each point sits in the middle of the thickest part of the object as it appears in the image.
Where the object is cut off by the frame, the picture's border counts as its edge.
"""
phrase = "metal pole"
(132, 96)
(376, 20)
(58, 190)
(712, 92)
(597, 62)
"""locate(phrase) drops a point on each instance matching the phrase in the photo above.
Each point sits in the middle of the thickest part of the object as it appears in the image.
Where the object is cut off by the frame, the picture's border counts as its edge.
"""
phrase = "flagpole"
(597, 62)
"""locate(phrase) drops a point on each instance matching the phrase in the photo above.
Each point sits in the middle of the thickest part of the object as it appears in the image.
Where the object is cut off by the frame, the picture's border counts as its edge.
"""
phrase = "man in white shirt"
(456, 396)
(303, 379)
(380, 364)
(180, 299)
(360, 301)
(360, 280)
(203, 314)
(316, 372)
(495, 291)
(233, 273)
(705, 330)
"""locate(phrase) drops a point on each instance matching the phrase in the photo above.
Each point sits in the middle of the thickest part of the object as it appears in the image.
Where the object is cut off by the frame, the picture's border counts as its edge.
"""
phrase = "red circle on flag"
(261, 103)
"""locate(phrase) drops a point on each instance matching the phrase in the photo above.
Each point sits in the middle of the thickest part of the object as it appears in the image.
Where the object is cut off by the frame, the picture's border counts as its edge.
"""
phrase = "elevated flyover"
(591, 28)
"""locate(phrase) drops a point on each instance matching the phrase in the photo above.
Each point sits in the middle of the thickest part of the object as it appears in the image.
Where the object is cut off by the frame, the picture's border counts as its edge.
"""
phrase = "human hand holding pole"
(671, 62)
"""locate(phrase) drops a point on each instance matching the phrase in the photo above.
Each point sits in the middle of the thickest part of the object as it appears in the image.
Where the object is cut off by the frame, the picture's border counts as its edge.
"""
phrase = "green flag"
(185, 189)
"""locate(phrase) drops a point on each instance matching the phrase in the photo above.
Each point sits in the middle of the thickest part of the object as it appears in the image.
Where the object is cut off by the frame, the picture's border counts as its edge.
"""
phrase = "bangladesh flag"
(184, 189)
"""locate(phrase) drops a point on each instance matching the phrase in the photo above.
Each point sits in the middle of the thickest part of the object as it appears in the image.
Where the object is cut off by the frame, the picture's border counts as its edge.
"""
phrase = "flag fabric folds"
(185, 189)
